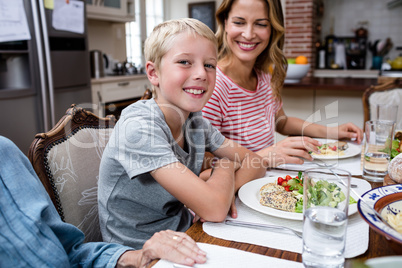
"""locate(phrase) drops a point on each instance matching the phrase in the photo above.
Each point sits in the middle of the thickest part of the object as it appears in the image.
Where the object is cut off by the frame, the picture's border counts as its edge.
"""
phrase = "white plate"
(249, 194)
(351, 151)
(389, 262)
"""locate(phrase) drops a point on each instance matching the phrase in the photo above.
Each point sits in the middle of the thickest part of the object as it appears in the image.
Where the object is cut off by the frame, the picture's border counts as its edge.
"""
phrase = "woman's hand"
(346, 131)
(233, 209)
(173, 246)
(291, 150)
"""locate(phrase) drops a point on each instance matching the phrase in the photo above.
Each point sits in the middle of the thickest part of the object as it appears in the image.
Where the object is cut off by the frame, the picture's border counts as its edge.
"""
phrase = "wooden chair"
(147, 94)
(67, 159)
(389, 92)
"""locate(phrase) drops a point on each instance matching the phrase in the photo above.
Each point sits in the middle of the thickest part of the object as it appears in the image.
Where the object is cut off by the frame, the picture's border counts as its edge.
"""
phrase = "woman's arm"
(296, 126)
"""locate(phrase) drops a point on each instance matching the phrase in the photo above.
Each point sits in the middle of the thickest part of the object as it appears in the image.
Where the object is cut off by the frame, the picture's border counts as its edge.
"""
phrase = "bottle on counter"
(321, 59)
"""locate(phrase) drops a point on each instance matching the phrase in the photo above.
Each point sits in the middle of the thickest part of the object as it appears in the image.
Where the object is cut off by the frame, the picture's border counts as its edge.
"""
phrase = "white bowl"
(296, 72)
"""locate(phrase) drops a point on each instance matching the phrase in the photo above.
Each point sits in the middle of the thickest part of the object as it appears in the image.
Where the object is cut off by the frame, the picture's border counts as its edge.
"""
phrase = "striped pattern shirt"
(244, 116)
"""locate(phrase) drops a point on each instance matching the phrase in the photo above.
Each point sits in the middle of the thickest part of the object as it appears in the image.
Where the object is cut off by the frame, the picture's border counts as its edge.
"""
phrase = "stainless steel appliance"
(40, 78)
(97, 64)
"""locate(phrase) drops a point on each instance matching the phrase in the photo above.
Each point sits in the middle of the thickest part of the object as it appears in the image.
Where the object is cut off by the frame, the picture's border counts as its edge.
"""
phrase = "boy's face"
(187, 73)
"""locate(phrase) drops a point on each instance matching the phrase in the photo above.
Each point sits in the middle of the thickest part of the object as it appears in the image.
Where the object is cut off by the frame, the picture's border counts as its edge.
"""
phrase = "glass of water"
(377, 149)
(325, 210)
(387, 112)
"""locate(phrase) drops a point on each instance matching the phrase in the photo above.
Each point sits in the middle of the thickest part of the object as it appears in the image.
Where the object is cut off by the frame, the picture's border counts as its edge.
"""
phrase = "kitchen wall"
(343, 16)
(176, 9)
(109, 37)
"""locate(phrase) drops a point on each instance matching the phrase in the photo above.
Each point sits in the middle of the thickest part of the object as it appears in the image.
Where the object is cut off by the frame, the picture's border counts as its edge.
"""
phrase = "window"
(137, 31)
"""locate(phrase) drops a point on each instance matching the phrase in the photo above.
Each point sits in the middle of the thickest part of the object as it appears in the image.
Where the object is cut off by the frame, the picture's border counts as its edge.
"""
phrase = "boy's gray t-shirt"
(132, 205)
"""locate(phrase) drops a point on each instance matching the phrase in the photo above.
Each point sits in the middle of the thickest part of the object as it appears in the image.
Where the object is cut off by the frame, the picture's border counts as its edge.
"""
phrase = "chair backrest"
(389, 92)
(67, 160)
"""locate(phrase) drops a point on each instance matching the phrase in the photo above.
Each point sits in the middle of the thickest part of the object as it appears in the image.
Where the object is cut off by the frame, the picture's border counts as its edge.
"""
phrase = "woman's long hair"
(272, 55)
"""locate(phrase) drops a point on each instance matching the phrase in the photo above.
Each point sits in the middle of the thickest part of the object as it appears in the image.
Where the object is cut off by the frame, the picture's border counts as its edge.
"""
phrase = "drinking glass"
(377, 149)
(325, 210)
(386, 112)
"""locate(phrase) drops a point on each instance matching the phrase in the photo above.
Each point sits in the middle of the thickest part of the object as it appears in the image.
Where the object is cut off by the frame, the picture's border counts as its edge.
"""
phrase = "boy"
(149, 173)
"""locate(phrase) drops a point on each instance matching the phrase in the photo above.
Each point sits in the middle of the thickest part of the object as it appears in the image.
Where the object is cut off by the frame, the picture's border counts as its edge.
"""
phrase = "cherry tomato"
(287, 188)
(280, 180)
(284, 184)
(288, 178)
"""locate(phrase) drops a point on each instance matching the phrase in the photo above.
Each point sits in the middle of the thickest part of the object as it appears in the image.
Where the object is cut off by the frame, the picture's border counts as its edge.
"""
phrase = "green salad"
(395, 150)
(396, 146)
(324, 193)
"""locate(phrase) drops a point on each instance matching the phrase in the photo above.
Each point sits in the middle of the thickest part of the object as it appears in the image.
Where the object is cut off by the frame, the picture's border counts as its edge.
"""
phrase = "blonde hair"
(161, 39)
(273, 53)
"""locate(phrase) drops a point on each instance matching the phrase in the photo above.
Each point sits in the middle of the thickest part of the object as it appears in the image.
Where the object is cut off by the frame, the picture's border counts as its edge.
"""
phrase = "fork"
(261, 225)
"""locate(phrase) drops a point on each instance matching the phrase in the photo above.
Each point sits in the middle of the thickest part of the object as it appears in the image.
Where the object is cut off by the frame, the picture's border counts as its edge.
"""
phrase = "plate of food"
(275, 197)
(334, 149)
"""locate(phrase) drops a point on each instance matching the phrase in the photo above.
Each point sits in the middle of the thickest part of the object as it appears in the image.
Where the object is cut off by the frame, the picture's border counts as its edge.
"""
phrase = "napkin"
(357, 233)
(218, 257)
(351, 164)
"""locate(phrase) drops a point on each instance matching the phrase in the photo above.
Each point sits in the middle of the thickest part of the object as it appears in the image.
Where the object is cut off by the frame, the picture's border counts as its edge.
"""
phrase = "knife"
(262, 225)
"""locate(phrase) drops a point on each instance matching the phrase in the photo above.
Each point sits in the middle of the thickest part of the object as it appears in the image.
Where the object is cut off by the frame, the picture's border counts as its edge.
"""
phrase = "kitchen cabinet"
(111, 10)
(113, 93)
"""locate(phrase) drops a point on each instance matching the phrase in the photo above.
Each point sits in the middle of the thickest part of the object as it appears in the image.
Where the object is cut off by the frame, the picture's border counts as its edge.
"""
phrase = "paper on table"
(351, 164)
(13, 21)
(68, 17)
(356, 236)
(218, 257)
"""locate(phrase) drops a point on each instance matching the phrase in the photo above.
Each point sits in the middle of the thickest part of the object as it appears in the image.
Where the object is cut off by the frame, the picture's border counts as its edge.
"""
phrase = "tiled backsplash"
(341, 17)
(382, 22)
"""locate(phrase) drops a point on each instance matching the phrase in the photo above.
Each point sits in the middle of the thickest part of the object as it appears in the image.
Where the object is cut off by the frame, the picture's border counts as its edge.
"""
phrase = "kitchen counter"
(117, 91)
(331, 83)
(117, 78)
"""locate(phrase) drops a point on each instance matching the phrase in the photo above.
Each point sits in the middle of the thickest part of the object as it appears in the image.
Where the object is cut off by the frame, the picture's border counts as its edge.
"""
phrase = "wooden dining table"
(378, 244)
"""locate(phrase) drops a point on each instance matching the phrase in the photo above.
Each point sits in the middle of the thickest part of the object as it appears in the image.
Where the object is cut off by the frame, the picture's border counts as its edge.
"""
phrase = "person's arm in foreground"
(169, 245)
(36, 236)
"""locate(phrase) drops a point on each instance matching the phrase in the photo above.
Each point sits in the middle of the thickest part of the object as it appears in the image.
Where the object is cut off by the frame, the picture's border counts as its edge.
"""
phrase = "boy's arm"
(209, 199)
(251, 164)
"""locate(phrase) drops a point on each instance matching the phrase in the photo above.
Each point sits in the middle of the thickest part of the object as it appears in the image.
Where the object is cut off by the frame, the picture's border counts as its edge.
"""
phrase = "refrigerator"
(41, 77)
